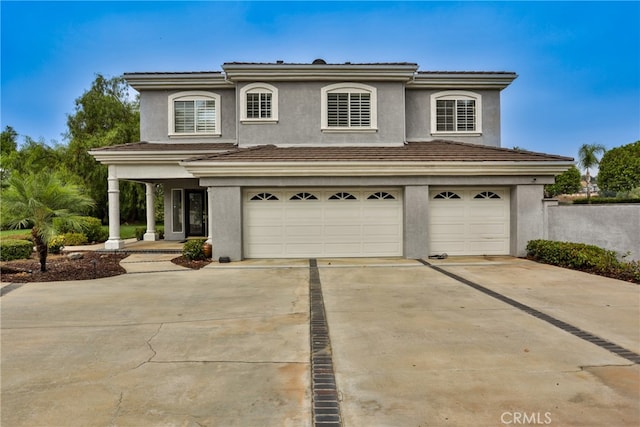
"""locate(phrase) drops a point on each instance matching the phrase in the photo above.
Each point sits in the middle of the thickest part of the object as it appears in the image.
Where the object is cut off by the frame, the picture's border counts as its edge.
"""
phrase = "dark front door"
(195, 207)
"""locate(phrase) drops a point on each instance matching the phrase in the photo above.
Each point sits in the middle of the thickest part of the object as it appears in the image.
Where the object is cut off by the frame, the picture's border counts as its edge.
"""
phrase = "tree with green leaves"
(588, 159)
(35, 200)
(620, 168)
(567, 182)
(8, 146)
(104, 115)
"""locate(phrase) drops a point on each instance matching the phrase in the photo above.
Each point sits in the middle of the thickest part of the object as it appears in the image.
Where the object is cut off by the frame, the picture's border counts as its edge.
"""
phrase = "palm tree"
(35, 200)
(588, 159)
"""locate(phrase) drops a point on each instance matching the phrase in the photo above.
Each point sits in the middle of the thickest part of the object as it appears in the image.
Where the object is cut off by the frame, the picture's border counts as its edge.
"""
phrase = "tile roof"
(428, 151)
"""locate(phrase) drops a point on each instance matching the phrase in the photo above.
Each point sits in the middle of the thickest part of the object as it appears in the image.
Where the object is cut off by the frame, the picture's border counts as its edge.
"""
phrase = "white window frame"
(194, 96)
(349, 88)
(259, 88)
(456, 96)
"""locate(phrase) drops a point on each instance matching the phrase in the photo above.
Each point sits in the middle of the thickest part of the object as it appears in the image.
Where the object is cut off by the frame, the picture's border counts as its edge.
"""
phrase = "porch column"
(114, 242)
(210, 215)
(151, 234)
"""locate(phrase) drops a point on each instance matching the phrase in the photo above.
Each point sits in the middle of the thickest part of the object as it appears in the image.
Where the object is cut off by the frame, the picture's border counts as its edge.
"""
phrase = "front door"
(195, 207)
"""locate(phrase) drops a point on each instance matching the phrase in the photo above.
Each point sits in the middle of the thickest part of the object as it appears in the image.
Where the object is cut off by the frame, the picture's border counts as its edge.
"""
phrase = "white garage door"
(469, 221)
(302, 223)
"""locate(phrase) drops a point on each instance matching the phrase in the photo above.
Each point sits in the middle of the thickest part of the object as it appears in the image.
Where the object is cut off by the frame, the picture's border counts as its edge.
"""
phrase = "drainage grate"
(587, 336)
(325, 404)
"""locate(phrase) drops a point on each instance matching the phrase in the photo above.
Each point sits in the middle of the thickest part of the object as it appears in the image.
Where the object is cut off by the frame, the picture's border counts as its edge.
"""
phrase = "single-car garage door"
(469, 221)
(301, 223)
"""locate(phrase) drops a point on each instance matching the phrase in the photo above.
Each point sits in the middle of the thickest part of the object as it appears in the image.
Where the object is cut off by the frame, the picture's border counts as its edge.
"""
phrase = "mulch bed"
(93, 265)
(196, 265)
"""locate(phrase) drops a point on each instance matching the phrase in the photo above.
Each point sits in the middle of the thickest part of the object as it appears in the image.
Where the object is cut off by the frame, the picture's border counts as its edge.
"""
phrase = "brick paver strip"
(587, 336)
(325, 404)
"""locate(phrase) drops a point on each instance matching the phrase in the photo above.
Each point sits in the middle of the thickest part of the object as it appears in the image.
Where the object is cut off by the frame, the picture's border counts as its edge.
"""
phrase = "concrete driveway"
(410, 346)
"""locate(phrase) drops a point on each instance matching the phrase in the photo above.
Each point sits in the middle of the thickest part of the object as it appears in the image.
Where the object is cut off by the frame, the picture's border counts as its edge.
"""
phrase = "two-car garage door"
(359, 222)
(300, 223)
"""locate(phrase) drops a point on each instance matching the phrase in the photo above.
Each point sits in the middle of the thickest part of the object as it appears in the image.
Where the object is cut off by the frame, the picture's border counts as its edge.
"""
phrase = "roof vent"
(279, 61)
(319, 61)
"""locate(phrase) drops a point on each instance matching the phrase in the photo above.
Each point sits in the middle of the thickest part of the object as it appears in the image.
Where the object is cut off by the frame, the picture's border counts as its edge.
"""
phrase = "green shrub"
(89, 226)
(75, 239)
(605, 201)
(11, 249)
(580, 256)
(56, 244)
(193, 250)
(139, 231)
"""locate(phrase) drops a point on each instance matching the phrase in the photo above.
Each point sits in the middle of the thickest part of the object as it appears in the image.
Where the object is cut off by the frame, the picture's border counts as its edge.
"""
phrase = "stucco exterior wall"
(226, 208)
(613, 227)
(418, 116)
(416, 227)
(527, 220)
(154, 116)
(299, 112)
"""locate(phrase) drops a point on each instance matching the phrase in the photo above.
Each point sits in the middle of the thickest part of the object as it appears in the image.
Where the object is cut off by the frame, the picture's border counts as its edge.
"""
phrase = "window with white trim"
(194, 113)
(259, 103)
(348, 107)
(456, 112)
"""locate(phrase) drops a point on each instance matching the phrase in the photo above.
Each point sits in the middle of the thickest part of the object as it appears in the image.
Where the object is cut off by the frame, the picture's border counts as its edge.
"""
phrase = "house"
(285, 160)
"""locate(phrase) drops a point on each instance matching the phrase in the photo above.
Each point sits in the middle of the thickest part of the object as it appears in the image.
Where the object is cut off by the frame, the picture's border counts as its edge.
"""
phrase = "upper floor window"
(456, 112)
(349, 107)
(194, 113)
(259, 103)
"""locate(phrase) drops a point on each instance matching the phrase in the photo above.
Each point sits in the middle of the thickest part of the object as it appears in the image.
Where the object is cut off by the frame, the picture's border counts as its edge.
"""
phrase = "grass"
(127, 231)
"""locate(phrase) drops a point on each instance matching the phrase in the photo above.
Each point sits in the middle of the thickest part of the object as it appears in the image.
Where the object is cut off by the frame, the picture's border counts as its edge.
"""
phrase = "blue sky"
(578, 62)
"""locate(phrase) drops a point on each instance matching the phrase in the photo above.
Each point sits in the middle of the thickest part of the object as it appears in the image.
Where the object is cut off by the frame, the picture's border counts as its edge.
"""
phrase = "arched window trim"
(487, 195)
(303, 196)
(263, 197)
(447, 195)
(381, 195)
(456, 95)
(349, 88)
(342, 195)
(193, 96)
(259, 88)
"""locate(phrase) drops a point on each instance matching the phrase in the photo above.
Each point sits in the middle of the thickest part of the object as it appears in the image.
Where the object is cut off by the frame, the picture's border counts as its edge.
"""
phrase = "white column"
(151, 234)
(210, 215)
(114, 242)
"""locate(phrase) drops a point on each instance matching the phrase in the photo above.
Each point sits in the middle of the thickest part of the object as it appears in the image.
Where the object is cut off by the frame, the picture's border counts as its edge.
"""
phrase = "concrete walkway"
(229, 345)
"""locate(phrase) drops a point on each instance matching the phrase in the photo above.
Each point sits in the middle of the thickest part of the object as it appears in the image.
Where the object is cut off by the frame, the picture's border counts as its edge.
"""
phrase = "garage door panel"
(476, 223)
(335, 224)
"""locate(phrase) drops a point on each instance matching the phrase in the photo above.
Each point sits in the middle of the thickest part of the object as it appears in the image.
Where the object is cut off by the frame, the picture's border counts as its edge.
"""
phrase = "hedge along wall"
(615, 227)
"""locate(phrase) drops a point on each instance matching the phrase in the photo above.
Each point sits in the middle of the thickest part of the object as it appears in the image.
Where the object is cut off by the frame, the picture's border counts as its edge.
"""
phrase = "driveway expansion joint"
(325, 397)
(585, 335)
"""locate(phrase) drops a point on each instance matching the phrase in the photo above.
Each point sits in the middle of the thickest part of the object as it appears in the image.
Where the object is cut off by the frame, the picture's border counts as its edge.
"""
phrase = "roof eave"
(302, 72)
(440, 80)
(196, 80)
(147, 156)
(203, 168)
